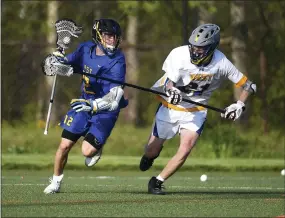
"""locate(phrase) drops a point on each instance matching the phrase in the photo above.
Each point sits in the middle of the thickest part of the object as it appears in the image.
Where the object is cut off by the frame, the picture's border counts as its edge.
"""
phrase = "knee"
(65, 145)
(90, 145)
(87, 149)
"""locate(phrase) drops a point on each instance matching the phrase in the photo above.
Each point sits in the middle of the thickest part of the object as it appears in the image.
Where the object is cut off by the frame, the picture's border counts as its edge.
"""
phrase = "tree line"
(252, 36)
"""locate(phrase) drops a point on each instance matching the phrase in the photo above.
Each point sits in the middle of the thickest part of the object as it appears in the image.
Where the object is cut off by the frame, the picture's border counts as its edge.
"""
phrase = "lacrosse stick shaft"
(50, 105)
(65, 29)
(153, 91)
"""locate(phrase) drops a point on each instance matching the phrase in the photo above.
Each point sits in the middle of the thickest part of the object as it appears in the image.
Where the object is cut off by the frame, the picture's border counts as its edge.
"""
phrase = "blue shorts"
(100, 124)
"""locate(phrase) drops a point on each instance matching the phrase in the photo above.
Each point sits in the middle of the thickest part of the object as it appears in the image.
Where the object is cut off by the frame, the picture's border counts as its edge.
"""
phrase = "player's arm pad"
(110, 101)
(249, 86)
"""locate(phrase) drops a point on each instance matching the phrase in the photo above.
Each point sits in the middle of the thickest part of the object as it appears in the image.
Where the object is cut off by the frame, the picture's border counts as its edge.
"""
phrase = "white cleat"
(91, 161)
(53, 187)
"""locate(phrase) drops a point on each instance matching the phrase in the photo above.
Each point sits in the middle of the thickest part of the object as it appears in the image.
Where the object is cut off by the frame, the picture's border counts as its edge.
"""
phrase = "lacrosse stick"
(152, 91)
(50, 105)
(65, 29)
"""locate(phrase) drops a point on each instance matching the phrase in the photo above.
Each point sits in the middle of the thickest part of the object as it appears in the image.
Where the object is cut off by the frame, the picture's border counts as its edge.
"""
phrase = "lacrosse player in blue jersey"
(94, 114)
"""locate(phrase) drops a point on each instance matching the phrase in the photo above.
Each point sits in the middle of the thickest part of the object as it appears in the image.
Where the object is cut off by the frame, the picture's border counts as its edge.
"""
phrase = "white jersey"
(196, 83)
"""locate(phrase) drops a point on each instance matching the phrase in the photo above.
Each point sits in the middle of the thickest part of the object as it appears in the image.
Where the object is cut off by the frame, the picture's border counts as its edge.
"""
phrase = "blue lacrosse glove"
(83, 105)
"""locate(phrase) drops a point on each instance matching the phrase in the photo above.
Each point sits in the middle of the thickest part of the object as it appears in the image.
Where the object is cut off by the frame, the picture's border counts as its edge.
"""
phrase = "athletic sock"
(160, 178)
(57, 178)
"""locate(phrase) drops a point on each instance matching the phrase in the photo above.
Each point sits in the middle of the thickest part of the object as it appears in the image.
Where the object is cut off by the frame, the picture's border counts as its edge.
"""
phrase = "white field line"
(179, 178)
(147, 177)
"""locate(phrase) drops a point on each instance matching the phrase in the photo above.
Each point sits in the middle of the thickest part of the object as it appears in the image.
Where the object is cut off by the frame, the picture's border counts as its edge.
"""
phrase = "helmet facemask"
(201, 54)
(110, 42)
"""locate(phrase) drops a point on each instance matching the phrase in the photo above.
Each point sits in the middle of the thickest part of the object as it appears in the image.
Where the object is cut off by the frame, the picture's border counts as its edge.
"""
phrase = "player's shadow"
(210, 197)
(223, 194)
(231, 194)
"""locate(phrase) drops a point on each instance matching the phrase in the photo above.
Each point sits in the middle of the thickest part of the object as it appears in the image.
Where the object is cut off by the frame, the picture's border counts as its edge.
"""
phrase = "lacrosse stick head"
(66, 29)
(106, 33)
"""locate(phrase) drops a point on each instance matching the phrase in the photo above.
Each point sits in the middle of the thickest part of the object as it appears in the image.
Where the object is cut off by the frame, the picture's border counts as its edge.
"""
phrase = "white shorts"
(169, 122)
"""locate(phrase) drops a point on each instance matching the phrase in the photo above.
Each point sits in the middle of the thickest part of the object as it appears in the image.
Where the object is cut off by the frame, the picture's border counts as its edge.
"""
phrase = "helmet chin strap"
(206, 60)
(105, 50)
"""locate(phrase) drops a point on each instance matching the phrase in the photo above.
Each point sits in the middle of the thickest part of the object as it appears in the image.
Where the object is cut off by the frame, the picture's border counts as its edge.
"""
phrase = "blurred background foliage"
(252, 36)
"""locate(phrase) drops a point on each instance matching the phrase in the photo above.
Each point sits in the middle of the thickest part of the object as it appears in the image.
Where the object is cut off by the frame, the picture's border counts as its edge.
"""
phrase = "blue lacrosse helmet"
(110, 27)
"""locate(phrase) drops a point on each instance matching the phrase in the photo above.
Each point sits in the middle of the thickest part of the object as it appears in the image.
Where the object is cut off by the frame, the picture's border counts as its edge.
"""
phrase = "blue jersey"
(84, 59)
(100, 124)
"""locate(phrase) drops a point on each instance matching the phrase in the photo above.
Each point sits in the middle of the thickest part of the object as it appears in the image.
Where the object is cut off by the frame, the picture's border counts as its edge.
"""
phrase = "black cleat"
(155, 186)
(145, 163)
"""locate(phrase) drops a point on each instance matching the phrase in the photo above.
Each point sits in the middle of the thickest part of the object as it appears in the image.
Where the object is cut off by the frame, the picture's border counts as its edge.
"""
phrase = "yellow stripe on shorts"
(174, 107)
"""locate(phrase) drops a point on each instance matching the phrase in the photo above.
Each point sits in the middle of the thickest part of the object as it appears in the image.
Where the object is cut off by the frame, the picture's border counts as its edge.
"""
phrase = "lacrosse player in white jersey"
(191, 71)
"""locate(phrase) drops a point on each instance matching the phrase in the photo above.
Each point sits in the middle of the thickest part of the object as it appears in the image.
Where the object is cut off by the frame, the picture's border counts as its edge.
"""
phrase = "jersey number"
(196, 87)
(68, 120)
(193, 89)
(86, 79)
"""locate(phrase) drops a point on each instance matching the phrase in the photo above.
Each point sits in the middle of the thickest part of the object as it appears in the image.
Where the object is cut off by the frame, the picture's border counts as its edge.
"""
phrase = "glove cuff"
(241, 104)
(175, 89)
(94, 105)
(58, 54)
(172, 89)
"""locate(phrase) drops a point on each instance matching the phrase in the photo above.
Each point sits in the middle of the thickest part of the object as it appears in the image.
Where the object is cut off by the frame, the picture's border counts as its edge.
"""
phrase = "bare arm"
(169, 84)
(248, 88)
(244, 95)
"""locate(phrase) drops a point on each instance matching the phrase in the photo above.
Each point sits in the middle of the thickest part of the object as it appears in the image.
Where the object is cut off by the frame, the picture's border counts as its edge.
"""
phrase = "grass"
(217, 141)
(87, 193)
(107, 162)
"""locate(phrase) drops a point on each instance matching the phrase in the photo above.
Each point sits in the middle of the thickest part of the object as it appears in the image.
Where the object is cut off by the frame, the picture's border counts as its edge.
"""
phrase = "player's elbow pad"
(249, 86)
(116, 93)
(110, 101)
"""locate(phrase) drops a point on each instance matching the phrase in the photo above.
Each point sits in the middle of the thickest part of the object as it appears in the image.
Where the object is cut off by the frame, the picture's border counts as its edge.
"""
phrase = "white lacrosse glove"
(234, 111)
(93, 105)
(83, 105)
(174, 96)
(54, 64)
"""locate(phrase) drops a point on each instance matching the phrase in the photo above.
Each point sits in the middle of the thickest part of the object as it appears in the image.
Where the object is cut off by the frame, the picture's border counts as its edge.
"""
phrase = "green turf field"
(107, 162)
(91, 193)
